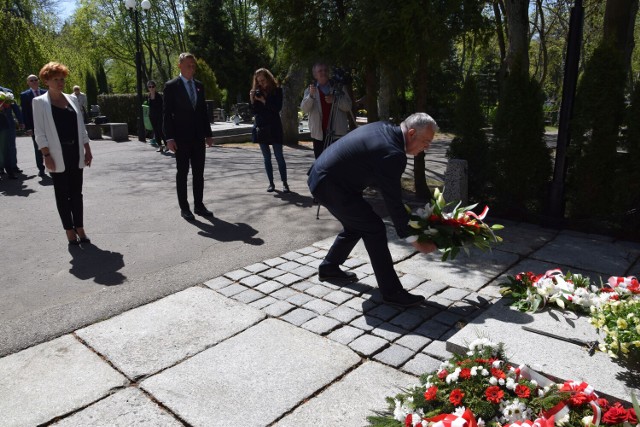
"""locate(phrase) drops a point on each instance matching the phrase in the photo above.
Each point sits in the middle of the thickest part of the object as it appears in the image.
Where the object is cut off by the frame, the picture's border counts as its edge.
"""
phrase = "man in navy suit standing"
(187, 129)
(26, 98)
(374, 155)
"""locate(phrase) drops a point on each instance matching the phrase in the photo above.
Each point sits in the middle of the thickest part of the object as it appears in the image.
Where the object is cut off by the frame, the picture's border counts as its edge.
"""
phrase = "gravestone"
(456, 185)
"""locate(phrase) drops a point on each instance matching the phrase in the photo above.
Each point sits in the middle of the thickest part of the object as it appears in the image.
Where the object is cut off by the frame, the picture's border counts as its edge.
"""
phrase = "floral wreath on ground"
(481, 389)
(451, 231)
(614, 306)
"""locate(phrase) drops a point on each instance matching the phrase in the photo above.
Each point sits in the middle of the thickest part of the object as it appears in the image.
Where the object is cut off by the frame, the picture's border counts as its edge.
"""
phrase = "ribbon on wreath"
(547, 275)
(630, 283)
(539, 422)
(452, 420)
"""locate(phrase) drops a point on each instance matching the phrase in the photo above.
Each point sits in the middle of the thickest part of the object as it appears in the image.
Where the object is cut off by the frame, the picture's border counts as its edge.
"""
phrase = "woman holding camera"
(266, 101)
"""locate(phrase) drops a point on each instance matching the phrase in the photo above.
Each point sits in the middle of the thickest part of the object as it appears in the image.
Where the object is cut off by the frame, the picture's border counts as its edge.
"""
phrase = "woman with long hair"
(266, 101)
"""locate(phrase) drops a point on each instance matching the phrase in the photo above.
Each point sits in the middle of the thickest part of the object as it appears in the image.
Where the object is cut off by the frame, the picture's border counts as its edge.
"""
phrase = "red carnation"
(603, 404)
(498, 373)
(631, 416)
(578, 399)
(494, 394)
(465, 373)
(443, 374)
(523, 391)
(430, 394)
(615, 415)
(456, 397)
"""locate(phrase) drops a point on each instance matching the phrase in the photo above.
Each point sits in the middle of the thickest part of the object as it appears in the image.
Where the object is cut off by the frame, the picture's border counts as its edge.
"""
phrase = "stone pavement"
(270, 345)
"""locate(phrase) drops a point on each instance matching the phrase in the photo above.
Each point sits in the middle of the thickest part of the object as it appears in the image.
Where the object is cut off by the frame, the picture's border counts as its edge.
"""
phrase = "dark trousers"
(282, 166)
(359, 222)
(156, 124)
(11, 153)
(67, 186)
(39, 159)
(190, 154)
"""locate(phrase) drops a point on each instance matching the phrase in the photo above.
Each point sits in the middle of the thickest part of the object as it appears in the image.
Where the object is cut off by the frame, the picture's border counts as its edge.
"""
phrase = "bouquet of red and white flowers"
(6, 99)
(614, 306)
(480, 388)
(451, 231)
(574, 292)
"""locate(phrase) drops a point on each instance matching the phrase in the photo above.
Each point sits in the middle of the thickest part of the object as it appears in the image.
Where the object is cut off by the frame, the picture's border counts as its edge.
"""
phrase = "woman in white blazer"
(64, 143)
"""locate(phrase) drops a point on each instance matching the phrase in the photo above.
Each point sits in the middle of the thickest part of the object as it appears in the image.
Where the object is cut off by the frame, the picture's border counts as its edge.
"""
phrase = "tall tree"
(229, 45)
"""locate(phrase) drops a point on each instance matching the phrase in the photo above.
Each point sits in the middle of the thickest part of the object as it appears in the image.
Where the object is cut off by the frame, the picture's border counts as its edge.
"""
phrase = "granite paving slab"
(589, 253)
(553, 357)
(522, 238)
(242, 381)
(52, 379)
(351, 400)
(398, 247)
(126, 408)
(147, 339)
(470, 273)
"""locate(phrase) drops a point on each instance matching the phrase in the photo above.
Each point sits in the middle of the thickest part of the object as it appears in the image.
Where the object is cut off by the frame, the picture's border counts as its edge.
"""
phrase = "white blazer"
(46, 133)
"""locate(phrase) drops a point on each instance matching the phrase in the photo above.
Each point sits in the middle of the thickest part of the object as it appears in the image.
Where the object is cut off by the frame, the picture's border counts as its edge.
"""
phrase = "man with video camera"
(328, 106)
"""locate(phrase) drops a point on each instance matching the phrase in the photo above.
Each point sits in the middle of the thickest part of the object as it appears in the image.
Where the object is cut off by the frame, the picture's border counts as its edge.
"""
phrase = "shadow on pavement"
(89, 261)
(14, 187)
(295, 199)
(224, 231)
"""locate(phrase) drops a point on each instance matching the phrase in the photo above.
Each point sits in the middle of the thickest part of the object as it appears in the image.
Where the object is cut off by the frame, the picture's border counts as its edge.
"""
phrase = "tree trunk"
(371, 92)
(497, 12)
(292, 92)
(384, 96)
(619, 23)
(517, 14)
(419, 172)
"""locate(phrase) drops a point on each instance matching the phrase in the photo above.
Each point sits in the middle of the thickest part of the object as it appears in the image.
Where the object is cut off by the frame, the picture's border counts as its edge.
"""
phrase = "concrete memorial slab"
(522, 238)
(464, 272)
(351, 400)
(554, 357)
(540, 267)
(126, 408)
(589, 253)
(254, 377)
(52, 379)
(147, 339)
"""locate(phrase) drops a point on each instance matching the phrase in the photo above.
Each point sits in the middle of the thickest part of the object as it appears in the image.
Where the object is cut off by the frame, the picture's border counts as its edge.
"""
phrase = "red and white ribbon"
(451, 420)
(480, 217)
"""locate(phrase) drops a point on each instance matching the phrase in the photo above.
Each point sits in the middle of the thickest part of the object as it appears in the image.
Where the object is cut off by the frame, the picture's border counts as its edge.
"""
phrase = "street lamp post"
(556, 194)
(132, 6)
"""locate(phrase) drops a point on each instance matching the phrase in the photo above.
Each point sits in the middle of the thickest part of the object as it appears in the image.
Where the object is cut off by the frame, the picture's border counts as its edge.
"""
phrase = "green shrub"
(521, 167)
(470, 142)
(595, 127)
(120, 108)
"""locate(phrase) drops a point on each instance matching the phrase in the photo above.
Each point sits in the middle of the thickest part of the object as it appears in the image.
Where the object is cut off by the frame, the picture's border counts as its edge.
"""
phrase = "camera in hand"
(258, 94)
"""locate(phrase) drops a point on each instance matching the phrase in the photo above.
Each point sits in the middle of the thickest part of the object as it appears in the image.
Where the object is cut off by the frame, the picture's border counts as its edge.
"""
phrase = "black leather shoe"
(186, 214)
(403, 299)
(285, 188)
(202, 211)
(41, 174)
(336, 274)
(271, 188)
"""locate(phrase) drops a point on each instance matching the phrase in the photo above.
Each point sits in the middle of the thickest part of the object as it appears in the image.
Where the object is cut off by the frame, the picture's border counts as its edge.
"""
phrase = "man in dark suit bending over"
(187, 129)
(374, 155)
